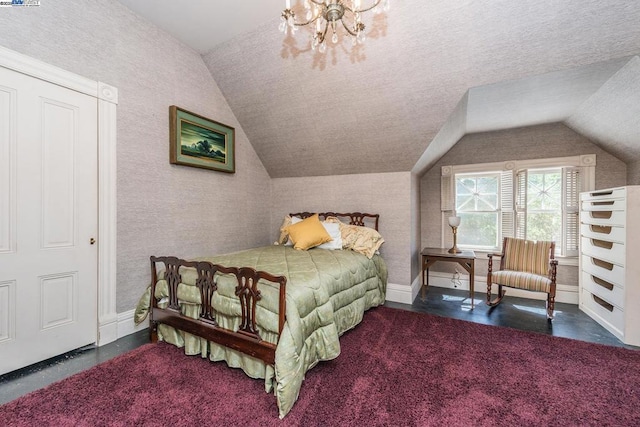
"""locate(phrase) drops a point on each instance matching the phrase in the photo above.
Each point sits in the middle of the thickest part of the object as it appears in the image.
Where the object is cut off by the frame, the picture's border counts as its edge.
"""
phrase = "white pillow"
(294, 220)
(334, 231)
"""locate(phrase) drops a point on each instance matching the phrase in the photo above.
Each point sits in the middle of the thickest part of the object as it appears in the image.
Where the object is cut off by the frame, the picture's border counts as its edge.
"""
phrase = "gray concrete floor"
(23, 381)
(519, 313)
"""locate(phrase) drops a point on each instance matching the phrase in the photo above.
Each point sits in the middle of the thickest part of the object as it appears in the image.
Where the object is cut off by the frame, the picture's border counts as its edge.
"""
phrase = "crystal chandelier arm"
(311, 21)
(319, 3)
(347, 28)
(324, 33)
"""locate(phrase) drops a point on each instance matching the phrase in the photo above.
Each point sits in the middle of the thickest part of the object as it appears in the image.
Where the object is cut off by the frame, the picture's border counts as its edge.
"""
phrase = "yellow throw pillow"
(308, 233)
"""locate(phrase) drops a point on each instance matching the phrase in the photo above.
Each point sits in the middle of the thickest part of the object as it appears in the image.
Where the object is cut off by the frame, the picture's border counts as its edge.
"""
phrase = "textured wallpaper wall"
(162, 209)
(415, 226)
(633, 173)
(387, 194)
(535, 142)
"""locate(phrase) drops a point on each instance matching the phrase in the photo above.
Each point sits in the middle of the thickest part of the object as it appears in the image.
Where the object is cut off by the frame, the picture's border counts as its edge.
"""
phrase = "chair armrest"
(490, 265)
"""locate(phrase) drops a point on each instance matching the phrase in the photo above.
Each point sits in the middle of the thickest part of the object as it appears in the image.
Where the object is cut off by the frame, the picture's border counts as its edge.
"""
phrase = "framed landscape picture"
(200, 142)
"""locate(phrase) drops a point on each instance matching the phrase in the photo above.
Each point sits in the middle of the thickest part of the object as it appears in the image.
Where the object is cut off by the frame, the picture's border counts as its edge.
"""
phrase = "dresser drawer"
(603, 310)
(604, 205)
(603, 232)
(605, 270)
(605, 195)
(606, 218)
(601, 249)
(605, 290)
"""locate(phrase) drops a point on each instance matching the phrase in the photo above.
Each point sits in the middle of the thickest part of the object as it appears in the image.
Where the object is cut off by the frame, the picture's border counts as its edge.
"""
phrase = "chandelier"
(327, 15)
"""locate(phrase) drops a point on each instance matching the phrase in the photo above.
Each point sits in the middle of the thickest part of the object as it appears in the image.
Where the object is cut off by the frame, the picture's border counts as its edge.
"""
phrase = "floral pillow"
(284, 236)
(284, 232)
(364, 240)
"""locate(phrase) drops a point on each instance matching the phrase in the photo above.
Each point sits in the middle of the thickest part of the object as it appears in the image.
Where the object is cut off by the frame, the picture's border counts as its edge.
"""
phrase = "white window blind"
(521, 204)
(507, 205)
(571, 181)
(446, 193)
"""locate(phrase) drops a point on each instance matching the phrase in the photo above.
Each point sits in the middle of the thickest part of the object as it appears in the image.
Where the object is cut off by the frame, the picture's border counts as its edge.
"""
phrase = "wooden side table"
(432, 255)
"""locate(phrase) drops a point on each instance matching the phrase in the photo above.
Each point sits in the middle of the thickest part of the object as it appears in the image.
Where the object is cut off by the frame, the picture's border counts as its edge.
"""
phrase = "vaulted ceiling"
(429, 72)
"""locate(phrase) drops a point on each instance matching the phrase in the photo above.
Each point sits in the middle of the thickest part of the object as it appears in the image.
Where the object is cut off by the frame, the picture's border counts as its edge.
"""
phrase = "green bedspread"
(327, 294)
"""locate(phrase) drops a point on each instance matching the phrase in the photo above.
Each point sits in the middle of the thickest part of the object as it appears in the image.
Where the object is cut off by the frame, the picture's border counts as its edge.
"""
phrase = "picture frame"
(200, 142)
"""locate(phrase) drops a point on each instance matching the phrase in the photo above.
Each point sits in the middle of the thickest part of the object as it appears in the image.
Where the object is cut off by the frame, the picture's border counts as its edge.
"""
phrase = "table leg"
(426, 263)
(422, 290)
(471, 276)
(470, 267)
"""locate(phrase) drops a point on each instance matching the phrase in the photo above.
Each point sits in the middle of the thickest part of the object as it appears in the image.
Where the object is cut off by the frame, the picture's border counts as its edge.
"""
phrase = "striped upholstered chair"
(524, 264)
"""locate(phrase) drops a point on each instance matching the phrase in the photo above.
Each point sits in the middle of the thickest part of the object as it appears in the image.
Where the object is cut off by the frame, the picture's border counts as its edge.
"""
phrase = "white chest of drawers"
(610, 260)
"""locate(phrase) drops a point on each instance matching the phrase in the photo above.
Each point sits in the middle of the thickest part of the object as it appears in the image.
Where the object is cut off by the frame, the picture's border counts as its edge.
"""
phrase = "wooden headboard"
(355, 218)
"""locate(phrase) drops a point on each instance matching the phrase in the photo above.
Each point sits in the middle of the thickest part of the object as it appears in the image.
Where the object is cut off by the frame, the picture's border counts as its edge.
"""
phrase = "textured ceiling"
(203, 24)
(544, 98)
(611, 116)
(378, 108)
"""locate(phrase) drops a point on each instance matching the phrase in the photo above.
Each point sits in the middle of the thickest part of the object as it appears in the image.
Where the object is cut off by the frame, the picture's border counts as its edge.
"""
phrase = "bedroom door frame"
(107, 96)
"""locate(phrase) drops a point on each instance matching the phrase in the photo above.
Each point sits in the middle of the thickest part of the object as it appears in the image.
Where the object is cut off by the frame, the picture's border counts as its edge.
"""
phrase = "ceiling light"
(325, 16)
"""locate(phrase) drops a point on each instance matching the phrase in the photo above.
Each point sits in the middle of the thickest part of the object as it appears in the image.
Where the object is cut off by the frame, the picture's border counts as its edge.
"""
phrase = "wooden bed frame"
(246, 339)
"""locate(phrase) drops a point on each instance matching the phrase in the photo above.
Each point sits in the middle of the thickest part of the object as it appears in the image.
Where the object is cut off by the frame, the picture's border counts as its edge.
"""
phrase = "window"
(543, 204)
(535, 199)
(477, 205)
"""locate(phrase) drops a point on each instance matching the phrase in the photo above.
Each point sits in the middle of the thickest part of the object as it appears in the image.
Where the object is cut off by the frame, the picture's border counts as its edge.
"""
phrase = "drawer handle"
(608, 202)
(602, 193)
(603, 303)
(602, 229)
(601, 214)
(602, 264)
(602, 283)
(601, 244)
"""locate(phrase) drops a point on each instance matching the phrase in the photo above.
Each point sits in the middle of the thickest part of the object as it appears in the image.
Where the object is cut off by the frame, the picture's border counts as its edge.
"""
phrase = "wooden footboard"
(246, 339)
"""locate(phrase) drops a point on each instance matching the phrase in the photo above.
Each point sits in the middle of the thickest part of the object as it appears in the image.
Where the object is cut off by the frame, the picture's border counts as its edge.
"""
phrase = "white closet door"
(48, 220)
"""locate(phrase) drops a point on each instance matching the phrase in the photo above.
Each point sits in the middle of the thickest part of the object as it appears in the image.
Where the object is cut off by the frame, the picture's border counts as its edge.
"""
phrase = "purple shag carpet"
(396, 368)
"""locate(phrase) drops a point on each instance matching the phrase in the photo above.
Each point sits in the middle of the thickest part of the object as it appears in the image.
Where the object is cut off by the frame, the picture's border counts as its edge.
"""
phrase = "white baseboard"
(402, 293)
(564, 293)
(127, 326)
(123, 326)
(108, 330)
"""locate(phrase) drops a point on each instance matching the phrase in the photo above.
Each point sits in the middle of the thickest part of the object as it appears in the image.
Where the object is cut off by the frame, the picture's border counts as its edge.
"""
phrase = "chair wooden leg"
(498, 299)
(488, 292)
(551, 302)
